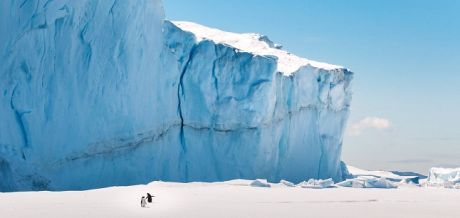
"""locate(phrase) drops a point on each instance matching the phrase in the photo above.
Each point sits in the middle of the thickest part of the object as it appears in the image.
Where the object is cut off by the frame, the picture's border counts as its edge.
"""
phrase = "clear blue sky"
(406, 59)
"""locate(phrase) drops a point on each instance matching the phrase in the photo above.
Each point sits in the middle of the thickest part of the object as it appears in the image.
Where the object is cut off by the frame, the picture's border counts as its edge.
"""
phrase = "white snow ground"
(234, 199)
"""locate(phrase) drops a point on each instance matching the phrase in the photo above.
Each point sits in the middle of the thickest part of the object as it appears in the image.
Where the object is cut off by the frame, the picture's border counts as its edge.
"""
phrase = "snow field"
(233, 199)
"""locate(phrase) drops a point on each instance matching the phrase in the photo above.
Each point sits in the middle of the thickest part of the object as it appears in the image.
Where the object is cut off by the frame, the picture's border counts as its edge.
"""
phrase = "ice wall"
(102, 93)
(75, 76)
(250, 110)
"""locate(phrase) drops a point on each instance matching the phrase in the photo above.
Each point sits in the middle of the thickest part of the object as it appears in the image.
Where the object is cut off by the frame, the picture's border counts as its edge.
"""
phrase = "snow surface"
(253, 43)
(233, 199)
(102, 93)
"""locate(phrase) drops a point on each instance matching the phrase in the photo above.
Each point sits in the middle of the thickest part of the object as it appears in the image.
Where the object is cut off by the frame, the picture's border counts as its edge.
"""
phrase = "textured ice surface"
(367, 182)
(255, 121)
(317, 183)
(101, 93)
(287, 183)
(78, 91)
(394, 176)
(411, 181)
(360, 178)
(447, 177)
(260, 183)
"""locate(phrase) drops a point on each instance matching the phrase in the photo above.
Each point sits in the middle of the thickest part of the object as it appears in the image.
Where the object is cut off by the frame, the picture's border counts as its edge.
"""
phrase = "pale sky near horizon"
(406, 59)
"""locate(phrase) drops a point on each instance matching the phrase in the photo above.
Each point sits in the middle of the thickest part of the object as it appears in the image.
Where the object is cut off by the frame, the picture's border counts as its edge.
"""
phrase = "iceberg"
(444, 177)
(250, 110)
(317, 183)
(352, 183)
(360, 178)
(367, 182)
(260, 183)
(393, 176)
(287, 183)
(78, 92)
(411, 181)
(104, 93)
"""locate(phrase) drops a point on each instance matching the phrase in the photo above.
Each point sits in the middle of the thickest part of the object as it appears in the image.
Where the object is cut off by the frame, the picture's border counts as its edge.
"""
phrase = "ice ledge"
(253, 43)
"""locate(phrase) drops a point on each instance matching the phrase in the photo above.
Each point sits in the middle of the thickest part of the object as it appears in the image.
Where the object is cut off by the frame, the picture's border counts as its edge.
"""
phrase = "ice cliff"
(251, 110)
(101, 93)
(76, 77)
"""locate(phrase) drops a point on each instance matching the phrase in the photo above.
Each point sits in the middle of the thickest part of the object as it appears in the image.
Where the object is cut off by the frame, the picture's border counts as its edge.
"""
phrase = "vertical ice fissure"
(180, 94)
(112, 14)
(214, 116)
(19, 119)
(214, 76)
(318, 118)
(321, 153)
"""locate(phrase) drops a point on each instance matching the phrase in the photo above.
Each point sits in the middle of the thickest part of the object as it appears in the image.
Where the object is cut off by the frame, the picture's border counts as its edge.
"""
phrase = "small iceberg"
(260, 183)
(287, 183)
(367, 182)
(444, 177)
(317, 183)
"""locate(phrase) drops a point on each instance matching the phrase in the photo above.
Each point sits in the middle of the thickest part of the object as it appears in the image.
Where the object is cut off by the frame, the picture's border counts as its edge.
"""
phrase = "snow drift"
(102, 93)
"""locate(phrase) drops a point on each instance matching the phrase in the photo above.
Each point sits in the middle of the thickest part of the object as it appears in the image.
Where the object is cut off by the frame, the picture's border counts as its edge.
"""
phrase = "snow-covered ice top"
(253, 43)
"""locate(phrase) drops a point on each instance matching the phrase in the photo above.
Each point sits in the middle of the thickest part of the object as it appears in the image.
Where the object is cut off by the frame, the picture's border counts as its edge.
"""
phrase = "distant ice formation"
(367, 182)
(260, 183)
(444, 177)
(317, 183)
